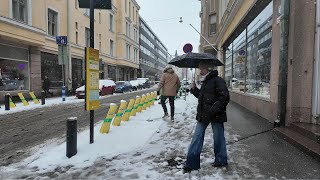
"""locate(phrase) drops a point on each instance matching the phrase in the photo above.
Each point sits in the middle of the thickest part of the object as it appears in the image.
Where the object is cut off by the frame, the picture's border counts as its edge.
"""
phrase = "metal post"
(43, 98)
(69, 44)
(92, 2)
(7, 102)
(71, 137)
(63, 93)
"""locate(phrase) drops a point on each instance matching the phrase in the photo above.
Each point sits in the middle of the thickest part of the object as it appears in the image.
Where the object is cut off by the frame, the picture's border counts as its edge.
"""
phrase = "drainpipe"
(283, 64)
(69, 43)
(316, 84)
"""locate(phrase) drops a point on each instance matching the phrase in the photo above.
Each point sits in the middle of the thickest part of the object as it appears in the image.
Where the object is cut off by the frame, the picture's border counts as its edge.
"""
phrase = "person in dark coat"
(213, 98)
(46, 86)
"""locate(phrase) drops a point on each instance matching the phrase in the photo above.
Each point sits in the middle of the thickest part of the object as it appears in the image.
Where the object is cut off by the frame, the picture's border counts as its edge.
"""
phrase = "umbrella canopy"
(192, 60)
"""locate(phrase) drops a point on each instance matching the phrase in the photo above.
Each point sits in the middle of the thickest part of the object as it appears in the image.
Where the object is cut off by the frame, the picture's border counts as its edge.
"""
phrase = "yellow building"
(28, 49)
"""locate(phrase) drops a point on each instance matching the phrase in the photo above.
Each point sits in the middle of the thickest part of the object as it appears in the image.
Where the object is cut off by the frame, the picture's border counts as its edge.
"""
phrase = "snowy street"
(149, 147)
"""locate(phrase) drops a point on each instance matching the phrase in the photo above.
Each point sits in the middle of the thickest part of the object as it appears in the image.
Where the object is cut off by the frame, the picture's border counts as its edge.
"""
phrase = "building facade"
(28, 49)
(270, 55)
(154, 55)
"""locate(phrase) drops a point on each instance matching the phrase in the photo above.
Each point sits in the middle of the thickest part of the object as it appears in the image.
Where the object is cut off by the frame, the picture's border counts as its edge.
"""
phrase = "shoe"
(186, 170)
(165, 115)
(172, 118)
(215, 164)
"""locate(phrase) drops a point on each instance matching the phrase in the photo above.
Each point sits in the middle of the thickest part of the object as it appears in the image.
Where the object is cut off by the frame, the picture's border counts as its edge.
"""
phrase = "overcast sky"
(172, 33)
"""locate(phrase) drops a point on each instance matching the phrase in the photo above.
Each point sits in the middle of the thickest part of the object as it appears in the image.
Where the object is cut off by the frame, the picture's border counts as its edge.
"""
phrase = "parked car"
(145, 82)
(135, 85)
(123, 86)
(106, 87)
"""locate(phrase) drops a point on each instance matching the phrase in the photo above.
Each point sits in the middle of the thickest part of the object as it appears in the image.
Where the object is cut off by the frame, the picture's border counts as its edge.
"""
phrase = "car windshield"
(120, 83)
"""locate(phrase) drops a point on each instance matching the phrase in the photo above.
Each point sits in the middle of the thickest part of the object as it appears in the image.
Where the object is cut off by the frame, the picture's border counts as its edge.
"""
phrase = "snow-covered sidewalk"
(146, 147)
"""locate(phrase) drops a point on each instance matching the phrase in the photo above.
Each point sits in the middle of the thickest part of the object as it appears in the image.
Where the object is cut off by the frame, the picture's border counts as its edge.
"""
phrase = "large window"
(111, 23)
(247, 69)
(20, 10)
(128, 51)
(213, 24)
(14, 75)
(51, 68)
(52, 23)
(87, 37)
(111, 47)
(127, 29)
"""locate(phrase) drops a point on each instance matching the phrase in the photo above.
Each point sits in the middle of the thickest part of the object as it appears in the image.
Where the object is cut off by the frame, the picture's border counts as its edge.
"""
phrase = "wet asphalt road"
(23, 130)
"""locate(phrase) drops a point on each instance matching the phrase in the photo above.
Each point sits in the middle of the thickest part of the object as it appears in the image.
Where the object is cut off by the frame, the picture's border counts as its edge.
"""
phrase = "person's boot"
(165, 115)
(172, 118)
(186, 170)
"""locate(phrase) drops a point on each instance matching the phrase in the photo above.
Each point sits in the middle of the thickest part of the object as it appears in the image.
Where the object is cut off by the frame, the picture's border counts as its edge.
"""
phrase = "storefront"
(112, 72)
(14, 68)
(248, 57)
(77, 73)
(50, 67)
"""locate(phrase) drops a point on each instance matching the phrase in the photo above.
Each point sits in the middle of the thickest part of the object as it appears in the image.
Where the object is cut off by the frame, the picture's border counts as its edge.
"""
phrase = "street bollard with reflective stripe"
(63, 93)
(128, 111)
(71, 137)
(140, 106)
(117, 120)
(136, 106)
(107, 121)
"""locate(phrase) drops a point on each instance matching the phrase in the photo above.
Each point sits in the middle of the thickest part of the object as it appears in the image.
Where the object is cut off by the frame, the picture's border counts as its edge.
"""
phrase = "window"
(135, 55)
(99, 18)
(100, 47)
(111, 23)
(76, 4)
(129, 9)
(126, 6)
(133, 12)
(100, 37)
(111, 47)
(76, 25)
(20, 10)
(213, 24)
(87, 37)
(52, 22)
(127, 29)
(137, 15)
(128, 51)
(76, 37)
(87, 12)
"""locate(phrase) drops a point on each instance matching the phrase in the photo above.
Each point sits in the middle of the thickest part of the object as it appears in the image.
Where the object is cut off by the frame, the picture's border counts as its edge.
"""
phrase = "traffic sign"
(62, 40)
(242, 52)
(187, 48)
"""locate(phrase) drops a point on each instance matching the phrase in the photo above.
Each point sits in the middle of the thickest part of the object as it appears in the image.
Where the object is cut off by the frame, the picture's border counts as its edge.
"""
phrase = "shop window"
(20, 10)
(14, 75)
(213, 24)
(52, 22)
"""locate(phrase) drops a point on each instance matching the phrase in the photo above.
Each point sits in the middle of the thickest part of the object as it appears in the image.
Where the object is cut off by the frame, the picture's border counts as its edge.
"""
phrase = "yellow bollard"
(152, 99)
(12, 104)
(23, 100)
(34, 98)
(117, 120)
(148, 100)
(128, 111)
(143, 98)
(136, 106)
(107, 121)
(144, 106)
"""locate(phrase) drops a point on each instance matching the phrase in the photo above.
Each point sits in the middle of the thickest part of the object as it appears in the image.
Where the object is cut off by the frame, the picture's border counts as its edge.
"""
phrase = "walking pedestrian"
(213, 97)
(168, 85)
(46, 86)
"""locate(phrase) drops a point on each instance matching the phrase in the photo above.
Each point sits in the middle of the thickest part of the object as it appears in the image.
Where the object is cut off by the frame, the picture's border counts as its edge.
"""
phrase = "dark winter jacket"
(46, 84)
(213, 98)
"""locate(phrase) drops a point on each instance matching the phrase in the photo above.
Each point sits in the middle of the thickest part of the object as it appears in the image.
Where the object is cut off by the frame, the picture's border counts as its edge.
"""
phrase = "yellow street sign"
(92, 79)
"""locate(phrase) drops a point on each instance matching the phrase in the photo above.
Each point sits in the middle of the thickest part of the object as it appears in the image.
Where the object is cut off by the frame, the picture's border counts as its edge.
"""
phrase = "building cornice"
(135, 3)
(22, 25)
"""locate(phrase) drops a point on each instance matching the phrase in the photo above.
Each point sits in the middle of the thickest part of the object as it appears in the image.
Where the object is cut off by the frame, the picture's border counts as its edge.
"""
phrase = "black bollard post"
(43, 98)
(7, 102)
(71, 137)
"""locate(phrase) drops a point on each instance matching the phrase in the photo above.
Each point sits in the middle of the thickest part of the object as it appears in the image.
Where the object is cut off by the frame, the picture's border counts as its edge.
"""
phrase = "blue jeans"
(195, 148)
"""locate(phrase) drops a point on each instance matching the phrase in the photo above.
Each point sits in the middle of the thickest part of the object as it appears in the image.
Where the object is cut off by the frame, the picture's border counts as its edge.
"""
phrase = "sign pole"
(92, 46)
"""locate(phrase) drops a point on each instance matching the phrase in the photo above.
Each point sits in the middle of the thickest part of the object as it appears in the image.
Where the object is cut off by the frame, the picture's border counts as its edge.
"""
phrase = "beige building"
(28, 49)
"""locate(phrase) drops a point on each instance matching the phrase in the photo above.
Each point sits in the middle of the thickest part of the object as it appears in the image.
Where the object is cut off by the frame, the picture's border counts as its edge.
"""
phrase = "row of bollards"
(8, 102)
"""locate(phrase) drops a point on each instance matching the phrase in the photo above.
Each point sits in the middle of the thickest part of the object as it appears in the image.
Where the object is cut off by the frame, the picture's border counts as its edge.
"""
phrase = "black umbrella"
(192, 60)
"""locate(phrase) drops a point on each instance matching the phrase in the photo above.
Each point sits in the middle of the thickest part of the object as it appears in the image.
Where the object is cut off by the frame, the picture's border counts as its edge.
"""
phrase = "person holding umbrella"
(213, 97)
(168, 85)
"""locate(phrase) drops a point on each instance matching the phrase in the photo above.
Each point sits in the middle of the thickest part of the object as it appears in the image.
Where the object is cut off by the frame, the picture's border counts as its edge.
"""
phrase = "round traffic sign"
(187, 48)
